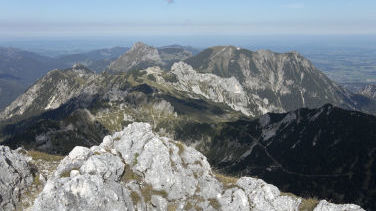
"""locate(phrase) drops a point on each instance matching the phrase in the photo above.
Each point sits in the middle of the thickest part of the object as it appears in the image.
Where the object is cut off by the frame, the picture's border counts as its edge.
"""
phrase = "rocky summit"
(141, 56)
(136, 169)
(369, 91)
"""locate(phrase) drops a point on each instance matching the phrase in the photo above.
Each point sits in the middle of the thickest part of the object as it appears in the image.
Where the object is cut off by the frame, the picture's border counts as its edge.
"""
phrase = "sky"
(28, 18)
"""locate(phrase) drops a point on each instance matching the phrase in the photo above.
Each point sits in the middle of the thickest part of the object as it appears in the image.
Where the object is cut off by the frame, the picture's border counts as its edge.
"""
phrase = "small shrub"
(188, 206)
(181, 147)
(135, 161)
(197, 162)
(172, 207)
(214, 203)
(308, 204)
(135, 197)
(198, 208)
(147, 191)
(162, 193)
(227, 181)
(151, 77)
(139, 80)
(129, 175)
(36, 180)
(67, 173)
(170, 77)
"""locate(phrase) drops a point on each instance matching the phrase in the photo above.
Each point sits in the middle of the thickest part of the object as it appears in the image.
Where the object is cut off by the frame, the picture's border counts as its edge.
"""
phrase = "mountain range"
(256, 113)
(19, 69)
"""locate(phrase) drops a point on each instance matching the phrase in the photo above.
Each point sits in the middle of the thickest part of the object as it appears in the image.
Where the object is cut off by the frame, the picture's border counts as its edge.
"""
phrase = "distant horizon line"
(83, 36)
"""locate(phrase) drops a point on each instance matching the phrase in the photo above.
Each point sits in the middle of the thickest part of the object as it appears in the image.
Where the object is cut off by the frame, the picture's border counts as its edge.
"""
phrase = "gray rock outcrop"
(136, 169)
(15, 177)
(327, 206)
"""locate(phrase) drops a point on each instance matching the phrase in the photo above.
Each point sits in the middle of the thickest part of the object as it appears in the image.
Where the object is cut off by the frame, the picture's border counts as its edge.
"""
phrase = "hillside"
(329, 150)
(19, 69)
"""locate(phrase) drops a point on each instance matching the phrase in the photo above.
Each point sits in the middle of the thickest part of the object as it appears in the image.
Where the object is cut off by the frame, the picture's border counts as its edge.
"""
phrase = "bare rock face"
(327, 206)
(138, 57)
(213, 87)
(141, 56)
(15, 176)
(275, 82)
(369, 91)
(136, 169)
(57, 87)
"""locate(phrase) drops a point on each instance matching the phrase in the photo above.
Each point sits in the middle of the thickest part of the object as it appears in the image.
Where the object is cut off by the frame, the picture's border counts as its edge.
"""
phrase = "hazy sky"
(20, 18)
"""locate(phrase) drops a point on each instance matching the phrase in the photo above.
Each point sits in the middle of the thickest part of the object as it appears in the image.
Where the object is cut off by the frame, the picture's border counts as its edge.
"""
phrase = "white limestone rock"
(263, 196)
(15, 176)
(83, 192)
(135, 169)
(327, 206)
(234, 199)
(108, 166)
(210, 86)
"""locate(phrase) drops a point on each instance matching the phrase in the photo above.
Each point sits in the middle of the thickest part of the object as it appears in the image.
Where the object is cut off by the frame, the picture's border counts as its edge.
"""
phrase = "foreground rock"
(137, 170)
(15, 176)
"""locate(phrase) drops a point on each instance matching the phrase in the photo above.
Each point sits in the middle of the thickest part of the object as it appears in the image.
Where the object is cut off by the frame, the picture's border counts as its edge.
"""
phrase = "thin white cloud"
(295, 6)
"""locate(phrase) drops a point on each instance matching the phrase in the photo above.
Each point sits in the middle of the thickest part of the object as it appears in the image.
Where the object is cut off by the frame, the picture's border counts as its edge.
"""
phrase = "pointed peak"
(296, 53)
(82, 69)
(140, 45)
(78, 66)
(265, 52)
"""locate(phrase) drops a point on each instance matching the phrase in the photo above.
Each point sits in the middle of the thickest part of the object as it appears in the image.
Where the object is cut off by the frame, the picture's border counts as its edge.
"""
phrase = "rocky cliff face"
(369, 91)
(53, 90)
(135, 169)
(138, 57)
(141, 56)
(275, 82)
(184, 78)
